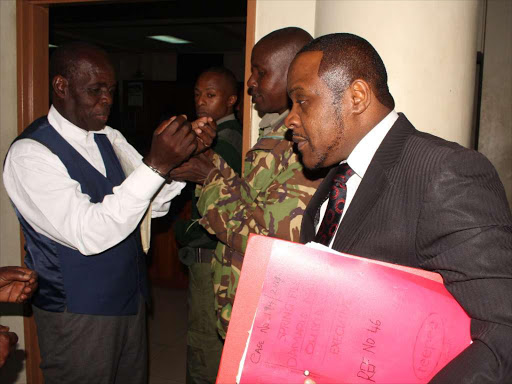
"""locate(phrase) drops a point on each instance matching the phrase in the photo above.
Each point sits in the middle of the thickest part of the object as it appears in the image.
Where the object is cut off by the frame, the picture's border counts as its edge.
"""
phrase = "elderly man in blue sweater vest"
(80, 192)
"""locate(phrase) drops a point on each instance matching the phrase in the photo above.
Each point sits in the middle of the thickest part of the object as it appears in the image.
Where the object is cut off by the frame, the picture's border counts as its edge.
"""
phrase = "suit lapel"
(374, 183)
(371, 188)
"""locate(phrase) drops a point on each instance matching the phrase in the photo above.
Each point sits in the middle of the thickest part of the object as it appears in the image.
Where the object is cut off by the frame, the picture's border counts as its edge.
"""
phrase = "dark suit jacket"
(432, 204)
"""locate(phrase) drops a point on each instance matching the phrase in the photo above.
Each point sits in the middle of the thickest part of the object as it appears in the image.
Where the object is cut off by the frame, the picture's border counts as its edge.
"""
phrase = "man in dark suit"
(403, 196)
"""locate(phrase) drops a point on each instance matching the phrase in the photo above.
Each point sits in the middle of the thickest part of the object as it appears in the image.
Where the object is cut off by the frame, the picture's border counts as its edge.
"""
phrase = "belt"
(204, 255)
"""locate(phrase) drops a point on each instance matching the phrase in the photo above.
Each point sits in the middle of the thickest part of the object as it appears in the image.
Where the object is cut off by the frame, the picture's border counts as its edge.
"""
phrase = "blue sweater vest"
(109, 283)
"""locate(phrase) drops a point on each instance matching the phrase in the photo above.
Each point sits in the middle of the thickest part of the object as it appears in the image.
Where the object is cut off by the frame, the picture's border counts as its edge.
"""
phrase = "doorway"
(35, 18)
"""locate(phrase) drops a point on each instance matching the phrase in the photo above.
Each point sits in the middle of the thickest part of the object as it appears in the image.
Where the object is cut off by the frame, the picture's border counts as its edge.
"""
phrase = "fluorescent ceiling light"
(169, 39)
(52, 46)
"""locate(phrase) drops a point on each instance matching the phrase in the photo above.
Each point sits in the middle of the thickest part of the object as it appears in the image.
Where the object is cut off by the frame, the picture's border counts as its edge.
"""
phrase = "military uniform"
(204, 345)
(269, 199)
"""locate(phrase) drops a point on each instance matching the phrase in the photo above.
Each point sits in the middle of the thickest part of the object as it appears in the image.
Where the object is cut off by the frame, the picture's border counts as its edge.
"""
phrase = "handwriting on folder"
(347, 319)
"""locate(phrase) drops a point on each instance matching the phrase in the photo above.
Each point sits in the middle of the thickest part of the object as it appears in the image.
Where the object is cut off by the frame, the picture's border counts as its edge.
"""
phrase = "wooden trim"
(33, 99)
(51, 2)
(249, 44)
(32, 61)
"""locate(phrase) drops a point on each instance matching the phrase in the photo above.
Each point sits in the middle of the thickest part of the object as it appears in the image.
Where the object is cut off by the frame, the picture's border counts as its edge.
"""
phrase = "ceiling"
(123, 26)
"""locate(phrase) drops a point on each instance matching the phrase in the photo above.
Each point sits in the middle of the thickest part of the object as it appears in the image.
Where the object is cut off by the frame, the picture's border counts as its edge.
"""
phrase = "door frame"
(32, 30)
(32, 27)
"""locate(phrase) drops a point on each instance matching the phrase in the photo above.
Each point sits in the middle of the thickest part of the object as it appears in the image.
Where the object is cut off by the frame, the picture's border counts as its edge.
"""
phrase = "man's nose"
(107, 97)
(251, 83)
(292, 120)
(201, 100)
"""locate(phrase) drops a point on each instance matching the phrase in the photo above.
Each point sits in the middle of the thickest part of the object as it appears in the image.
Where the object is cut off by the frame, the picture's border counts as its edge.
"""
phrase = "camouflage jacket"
(269, 199)
(188, 233)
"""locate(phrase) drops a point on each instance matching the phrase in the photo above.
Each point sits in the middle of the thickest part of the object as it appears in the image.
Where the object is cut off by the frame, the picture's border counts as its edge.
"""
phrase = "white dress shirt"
(359, 160)
(40, 187)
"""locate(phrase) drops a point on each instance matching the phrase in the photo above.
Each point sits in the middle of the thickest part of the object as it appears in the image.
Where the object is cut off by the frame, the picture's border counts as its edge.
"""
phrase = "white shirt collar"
(67, 129)
(363, 153)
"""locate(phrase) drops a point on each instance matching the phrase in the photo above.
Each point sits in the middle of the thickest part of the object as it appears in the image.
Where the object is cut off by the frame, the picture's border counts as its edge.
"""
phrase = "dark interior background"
(156, 79)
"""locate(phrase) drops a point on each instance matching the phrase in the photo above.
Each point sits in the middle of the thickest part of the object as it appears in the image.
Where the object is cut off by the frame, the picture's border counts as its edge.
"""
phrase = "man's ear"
(361, 96)
(232, 100)
(60, 86)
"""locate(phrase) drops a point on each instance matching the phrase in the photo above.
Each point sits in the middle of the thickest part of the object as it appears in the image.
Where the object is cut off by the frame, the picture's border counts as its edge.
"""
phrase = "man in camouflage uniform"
(270, 198)
(215, 94)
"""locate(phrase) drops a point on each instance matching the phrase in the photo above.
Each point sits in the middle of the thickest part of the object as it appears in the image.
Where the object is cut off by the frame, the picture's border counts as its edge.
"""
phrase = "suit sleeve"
(465, 233)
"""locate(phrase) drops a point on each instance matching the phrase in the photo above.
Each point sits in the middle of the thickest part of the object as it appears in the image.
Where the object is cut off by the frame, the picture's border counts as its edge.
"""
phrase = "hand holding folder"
(338, 318)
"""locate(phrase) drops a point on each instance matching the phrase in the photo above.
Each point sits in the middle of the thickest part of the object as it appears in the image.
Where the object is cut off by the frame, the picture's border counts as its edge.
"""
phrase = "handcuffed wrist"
(165, 176)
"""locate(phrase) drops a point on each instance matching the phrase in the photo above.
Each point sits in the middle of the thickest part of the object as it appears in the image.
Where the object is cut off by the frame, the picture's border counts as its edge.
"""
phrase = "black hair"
(348, 57)
(66, 58)
(227, 74)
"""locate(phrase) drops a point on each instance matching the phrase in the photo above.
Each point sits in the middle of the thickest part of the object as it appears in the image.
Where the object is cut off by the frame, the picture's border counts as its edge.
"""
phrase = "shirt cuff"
(143, 183)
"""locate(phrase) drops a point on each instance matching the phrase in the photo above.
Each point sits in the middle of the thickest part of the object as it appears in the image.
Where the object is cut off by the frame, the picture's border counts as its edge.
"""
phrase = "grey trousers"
(90, 349)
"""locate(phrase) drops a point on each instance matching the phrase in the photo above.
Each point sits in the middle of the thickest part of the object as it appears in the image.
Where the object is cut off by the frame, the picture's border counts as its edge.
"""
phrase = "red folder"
(337, 319)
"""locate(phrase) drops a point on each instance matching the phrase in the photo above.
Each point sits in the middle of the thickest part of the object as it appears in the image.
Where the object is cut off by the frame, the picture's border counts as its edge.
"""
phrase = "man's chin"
(96, 126)
(260, 107)
(313, 163)
(307, 161)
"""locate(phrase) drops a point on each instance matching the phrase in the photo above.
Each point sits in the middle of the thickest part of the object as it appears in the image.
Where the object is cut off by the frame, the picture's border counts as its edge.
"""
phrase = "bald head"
(288, 40)
(67, 58)
(270, 60)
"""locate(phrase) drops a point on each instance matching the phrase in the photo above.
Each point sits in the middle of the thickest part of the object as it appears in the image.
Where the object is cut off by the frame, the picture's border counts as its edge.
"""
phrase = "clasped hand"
(176, 139)
(196, 169)
(8, 341)
(17, 284)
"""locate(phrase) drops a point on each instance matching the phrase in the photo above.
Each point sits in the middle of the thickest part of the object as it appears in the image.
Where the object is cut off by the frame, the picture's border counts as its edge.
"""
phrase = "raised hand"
(206, 130)
(173, 142)
(17, 284)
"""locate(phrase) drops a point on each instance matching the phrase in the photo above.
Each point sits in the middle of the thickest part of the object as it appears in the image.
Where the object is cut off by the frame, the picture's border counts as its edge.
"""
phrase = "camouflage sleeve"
(269, 200)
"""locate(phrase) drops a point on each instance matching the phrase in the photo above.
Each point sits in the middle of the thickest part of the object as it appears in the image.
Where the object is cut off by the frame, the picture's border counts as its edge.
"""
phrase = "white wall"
(276, 14)
(496, 116)
(14, 370)
(429, 49)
